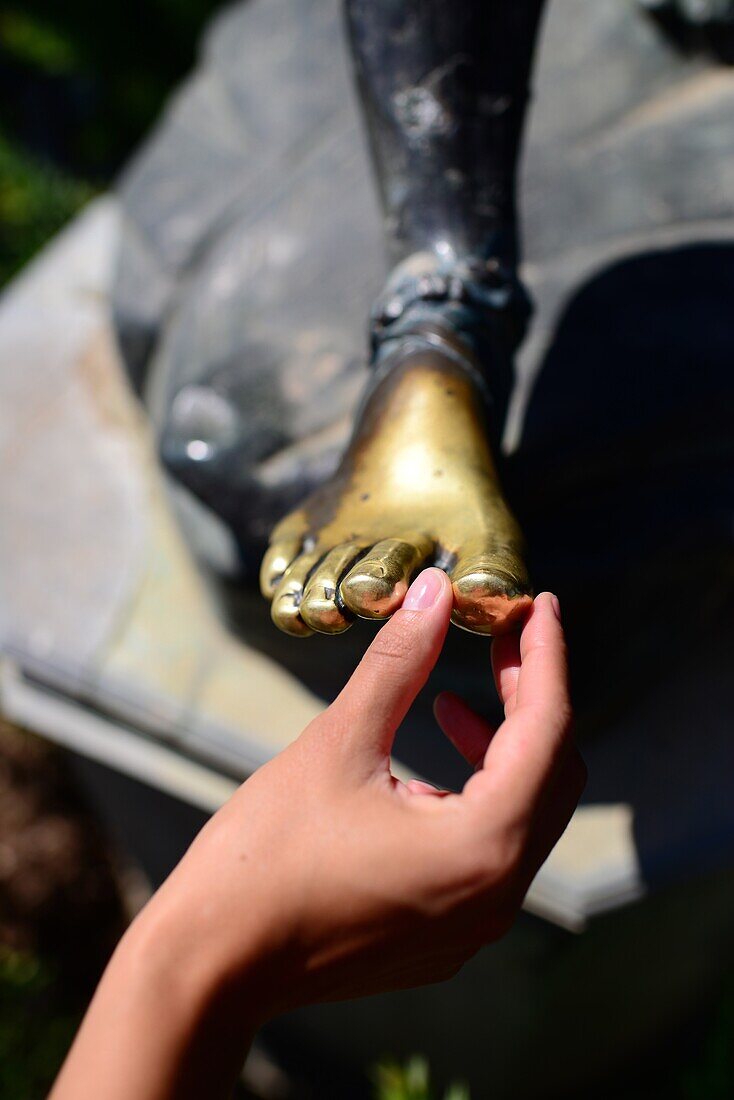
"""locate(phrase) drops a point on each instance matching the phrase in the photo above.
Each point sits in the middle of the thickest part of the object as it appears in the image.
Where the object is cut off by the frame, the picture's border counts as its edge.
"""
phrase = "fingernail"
(424, 591)
(556, 606)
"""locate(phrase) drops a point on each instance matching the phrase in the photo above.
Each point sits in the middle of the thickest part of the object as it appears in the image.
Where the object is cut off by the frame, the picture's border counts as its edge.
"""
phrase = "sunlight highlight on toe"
(487, 599)
(277, 559)
(286, 607)
(377, 584)
(321, 607)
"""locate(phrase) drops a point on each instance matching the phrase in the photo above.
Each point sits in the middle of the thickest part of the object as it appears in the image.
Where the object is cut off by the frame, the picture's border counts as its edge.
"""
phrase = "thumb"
(396, 666)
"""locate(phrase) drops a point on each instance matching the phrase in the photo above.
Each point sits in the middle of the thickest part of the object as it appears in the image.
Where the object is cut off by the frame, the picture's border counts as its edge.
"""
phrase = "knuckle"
(472, 873)
(488, 862)
(509, 853)
(565, 715)
(557, 719)
(392, 645)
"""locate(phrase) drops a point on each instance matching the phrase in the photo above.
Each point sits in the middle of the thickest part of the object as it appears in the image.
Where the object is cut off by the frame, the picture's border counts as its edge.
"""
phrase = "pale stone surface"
(99, 594)
(68, 483)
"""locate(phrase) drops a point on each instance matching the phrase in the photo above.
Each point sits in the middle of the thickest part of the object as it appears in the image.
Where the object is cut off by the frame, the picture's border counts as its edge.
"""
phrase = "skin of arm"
(325, 877)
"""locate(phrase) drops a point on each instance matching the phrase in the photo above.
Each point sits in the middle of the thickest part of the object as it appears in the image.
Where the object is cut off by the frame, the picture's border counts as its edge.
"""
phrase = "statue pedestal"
(116, 646)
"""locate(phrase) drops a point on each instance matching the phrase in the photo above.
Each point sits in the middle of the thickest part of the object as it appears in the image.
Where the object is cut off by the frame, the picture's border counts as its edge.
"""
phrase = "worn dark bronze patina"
(444, 90)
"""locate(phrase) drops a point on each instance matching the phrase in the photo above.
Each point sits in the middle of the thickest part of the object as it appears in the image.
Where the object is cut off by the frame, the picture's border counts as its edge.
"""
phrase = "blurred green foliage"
(703, 1071)
(81, 83)
(412, 1082)
(36, 199)
(710, 1075)
(30, 41)
(90, 78)
(35, 1032)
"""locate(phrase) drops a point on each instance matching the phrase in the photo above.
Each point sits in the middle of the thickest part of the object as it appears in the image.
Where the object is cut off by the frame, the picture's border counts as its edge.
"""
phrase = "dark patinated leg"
(444, 89)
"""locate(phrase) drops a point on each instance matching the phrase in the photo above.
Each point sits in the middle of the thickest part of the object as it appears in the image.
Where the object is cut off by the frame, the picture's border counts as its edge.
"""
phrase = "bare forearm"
(160, 1026)
(326, 877)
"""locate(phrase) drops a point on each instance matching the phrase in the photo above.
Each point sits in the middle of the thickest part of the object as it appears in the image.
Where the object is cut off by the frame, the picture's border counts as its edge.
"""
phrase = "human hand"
(331, 878)
(326, 877)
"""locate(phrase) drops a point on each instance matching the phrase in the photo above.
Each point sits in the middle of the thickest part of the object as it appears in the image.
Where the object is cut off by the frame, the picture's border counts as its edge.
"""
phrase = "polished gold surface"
(417, 486)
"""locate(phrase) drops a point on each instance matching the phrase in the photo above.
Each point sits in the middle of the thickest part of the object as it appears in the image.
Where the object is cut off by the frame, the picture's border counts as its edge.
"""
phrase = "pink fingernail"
(424, 591)
(556, 606)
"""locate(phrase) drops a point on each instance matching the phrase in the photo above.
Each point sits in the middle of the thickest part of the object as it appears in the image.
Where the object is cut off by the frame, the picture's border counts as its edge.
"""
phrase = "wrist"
(221, 962)
(176, 1010)
(170, 960)
(158, 965)
(161, 1023)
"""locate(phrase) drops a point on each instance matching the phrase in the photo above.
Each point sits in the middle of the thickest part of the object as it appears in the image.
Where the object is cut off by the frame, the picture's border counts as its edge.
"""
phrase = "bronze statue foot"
(417, 486)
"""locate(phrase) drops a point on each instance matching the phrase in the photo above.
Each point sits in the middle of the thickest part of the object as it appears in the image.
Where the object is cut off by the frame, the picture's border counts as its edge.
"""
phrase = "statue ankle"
(477, 310)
